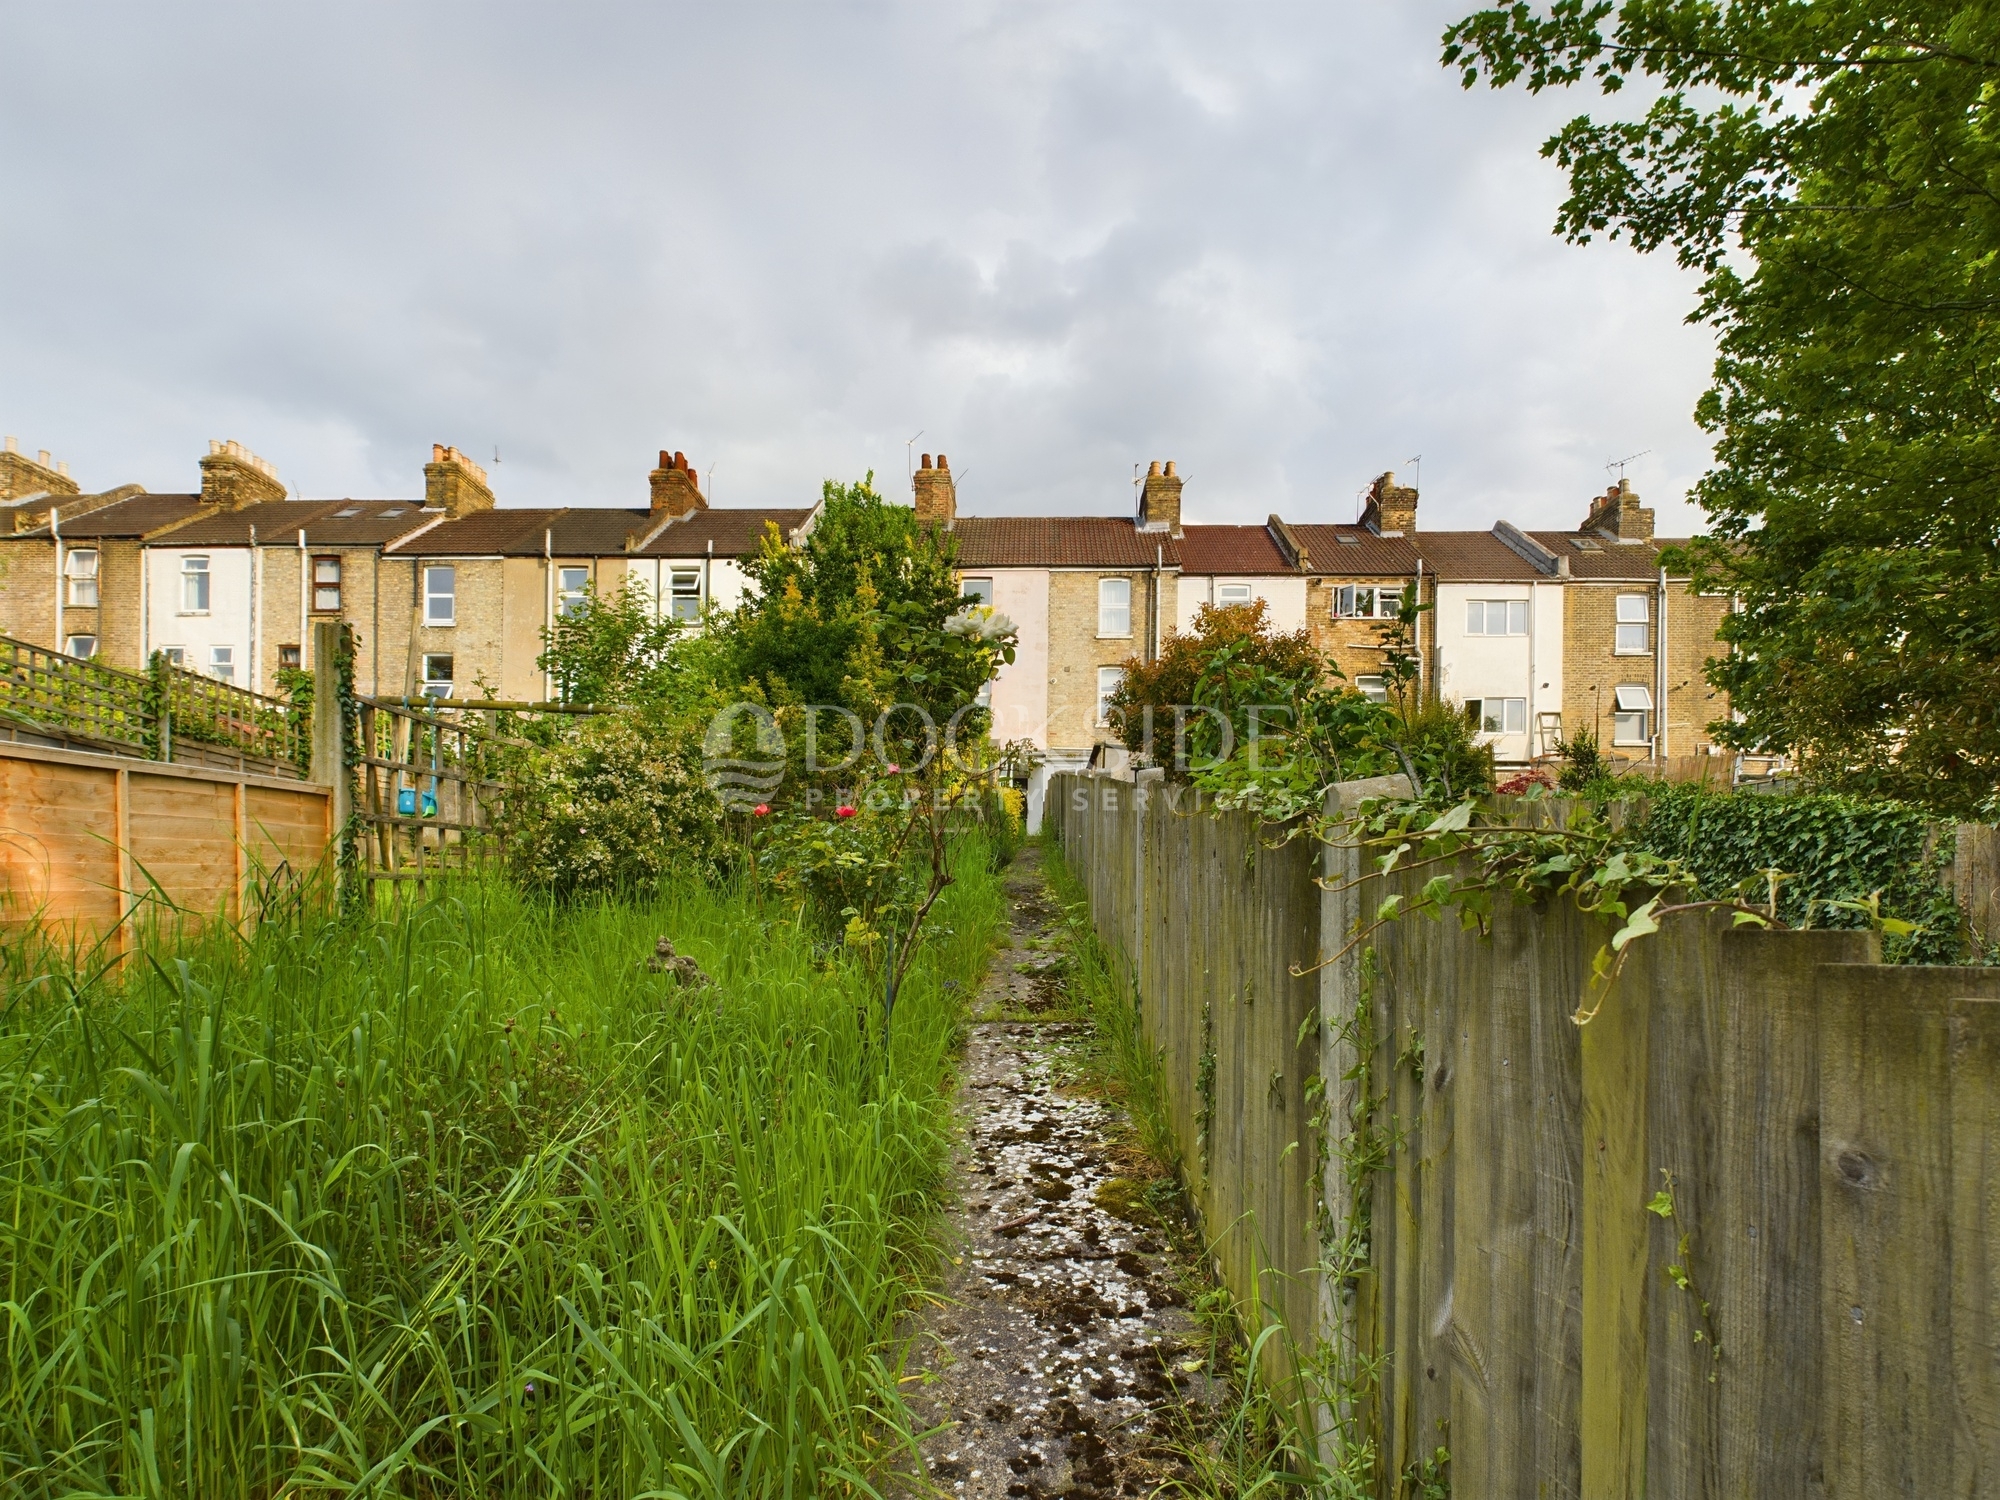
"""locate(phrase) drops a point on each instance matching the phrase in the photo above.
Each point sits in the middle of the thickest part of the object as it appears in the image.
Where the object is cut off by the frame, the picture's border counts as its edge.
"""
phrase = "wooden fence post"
(329, 739)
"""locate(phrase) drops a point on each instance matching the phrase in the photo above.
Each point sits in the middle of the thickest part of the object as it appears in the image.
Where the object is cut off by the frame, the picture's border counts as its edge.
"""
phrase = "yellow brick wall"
(27, 593)
(28, 600)
(1075, 652)
(1592, 669)
(1354, 645)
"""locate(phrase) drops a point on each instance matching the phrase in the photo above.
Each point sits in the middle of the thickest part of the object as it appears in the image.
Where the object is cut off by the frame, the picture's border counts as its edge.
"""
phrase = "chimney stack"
(233, 477)
(1160, 499)
(1391, 508)
(1617, 514)
(454, 484)
(676, 487)
(937, 495)
(21, 476)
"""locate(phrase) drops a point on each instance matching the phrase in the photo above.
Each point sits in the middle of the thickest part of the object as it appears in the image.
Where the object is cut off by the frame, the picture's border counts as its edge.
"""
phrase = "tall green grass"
(468, 1202)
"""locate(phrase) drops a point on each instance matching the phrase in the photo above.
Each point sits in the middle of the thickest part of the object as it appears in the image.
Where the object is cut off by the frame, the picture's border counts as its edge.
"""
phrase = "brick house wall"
(1355, 646)
(1595, 669)
(1076, 651)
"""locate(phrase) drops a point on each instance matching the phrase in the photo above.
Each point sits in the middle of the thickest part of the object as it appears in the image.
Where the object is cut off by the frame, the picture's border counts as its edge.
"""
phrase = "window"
(1498, 715)
(1496, 617)
(176, 656)
(1109, 680)
(684, 593)
(1631, 721)
(194, 585)
(572, 590)
(979, 589)
(222, 663)
(80, 574)
(326, 585)
(441, 596)
(437, 676)
(1374, 689)
(1632, 621)
(1232, 593)
(84, 646)
(288, 657)
(1363, 601)
(1114, 606)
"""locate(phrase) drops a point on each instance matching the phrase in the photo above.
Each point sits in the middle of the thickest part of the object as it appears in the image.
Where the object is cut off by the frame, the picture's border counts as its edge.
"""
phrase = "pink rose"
(843, 812)
(761, 809)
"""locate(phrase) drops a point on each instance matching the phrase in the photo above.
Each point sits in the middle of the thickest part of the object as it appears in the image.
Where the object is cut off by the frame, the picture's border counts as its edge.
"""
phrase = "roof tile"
(1061, 542)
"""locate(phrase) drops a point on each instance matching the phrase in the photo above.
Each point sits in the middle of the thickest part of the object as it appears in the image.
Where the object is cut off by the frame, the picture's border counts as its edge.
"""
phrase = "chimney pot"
(1153, 469)
(1170, 468)
(666, 459)
(42, 458)
(944, 463)
(13, 445)
(680, 459)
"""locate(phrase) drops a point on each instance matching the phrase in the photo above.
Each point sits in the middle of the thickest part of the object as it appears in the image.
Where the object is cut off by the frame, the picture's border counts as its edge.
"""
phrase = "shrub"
(609, 808)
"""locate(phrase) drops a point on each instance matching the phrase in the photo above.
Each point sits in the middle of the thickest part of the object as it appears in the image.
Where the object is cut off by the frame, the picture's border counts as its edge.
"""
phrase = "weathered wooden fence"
(1737, 1236)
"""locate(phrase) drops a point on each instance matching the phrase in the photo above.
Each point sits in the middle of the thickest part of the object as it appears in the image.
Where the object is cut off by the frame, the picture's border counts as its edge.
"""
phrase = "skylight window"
(388, 515)
(1584, 544)
(352, 510)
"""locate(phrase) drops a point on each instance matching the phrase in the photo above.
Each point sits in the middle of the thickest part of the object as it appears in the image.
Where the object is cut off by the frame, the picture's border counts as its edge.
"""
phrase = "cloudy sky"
(1273, 241)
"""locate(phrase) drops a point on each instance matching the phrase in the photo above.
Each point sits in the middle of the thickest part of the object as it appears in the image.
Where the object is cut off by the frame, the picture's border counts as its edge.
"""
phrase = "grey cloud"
(1275, 242)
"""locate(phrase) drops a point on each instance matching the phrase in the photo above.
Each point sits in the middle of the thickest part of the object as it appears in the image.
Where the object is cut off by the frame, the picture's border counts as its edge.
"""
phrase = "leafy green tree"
(863, 615)
(1832, 169)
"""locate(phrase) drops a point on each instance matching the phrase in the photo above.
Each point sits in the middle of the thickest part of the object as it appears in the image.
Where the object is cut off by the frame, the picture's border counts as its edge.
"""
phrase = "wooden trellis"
(429, 789)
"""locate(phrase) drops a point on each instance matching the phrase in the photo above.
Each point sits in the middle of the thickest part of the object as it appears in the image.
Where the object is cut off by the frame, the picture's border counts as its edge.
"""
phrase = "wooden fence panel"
(1975, 1238)
(84, 838)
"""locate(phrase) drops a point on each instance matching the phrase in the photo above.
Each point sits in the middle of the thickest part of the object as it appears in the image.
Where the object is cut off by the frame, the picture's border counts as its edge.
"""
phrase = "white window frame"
(1479, 615)
(572, 591)
(80, 578)
(1114, 609)
(1633, 633)
(1512, 717)
(222, 663)
(1367, 601)
(435, 686)
(80, 646)
(1235, 593)
(1109, 680)
(195, 571)
(979, 589)
(321, 584)
(1372, 687)
(684, 603)
(176, 656)
(1632, 706)
(433, 595)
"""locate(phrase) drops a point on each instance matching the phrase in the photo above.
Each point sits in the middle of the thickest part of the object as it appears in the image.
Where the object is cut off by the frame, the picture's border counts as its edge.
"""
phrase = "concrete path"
(1066, 1358)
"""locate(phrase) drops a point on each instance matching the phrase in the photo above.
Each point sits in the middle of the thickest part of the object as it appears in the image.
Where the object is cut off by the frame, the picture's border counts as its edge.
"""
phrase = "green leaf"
(1639, 924)
(1661, 1203)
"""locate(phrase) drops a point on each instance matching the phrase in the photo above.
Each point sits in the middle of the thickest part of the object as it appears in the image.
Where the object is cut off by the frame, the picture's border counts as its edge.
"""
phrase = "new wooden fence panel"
(85, 838)
(1903, 1409)
(58, 839)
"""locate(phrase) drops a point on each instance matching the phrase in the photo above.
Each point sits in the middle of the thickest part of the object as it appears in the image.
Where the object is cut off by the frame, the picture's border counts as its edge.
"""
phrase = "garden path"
(1065, 1361)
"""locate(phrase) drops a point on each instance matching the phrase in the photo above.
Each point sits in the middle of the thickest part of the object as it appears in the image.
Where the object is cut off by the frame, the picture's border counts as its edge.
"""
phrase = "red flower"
(843, 812)
(761, 808)
(893, 769)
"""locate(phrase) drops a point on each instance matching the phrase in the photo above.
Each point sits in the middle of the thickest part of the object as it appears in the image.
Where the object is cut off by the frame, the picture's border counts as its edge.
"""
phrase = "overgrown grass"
(1264, 1441)
(469, 1202)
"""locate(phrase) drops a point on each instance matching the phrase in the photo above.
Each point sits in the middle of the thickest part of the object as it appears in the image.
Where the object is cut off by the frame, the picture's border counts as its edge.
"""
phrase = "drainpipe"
(145, 606)
(1534, 596)
(305, 598)
(56, 532)
(707, 568)
(1660, 674)
(256, 578)
(1159, 563)
(1418, 644)
(548, 600)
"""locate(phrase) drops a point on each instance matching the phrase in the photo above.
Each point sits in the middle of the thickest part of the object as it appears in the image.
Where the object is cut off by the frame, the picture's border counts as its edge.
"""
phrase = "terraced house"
(1537, 635)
